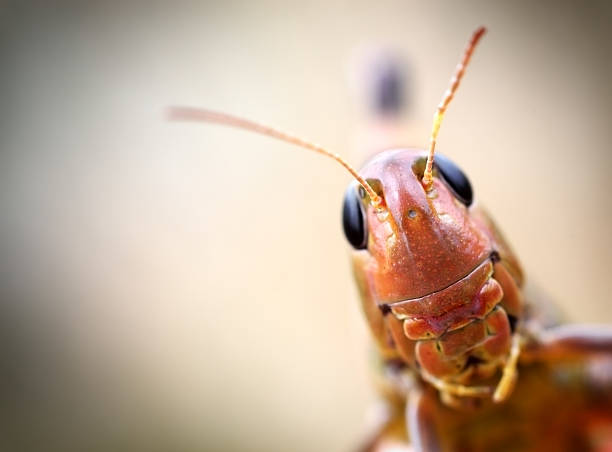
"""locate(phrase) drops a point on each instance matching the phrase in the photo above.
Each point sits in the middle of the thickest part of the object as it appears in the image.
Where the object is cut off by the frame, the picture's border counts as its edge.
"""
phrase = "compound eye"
(456, 180)
(353, 219)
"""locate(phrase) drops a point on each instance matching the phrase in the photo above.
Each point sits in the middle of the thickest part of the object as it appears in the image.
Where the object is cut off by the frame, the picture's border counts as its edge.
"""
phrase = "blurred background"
(187, 287)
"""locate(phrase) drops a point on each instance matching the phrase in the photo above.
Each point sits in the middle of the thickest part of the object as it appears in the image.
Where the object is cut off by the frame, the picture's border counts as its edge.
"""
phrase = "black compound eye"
(456, 180)
(353, 219)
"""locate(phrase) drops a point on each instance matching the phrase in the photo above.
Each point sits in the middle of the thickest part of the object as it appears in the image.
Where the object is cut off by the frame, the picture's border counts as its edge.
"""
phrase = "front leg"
(421, 409)
(390, 433)
(569, 343)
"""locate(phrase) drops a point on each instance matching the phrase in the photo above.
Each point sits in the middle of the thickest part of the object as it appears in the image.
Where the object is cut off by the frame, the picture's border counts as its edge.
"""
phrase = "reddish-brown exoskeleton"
(441, 291)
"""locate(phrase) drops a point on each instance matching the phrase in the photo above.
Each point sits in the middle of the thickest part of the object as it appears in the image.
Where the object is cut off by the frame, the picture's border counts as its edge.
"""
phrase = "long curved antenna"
(448, 96)
(198, 114)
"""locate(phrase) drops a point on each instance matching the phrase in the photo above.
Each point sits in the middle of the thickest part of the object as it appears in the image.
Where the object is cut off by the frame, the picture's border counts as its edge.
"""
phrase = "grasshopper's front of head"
(432, 272)
(419, 240)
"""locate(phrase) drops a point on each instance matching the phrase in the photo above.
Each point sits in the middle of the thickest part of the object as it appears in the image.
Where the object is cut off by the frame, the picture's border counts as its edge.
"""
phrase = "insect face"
(421, 240)
(429, 273)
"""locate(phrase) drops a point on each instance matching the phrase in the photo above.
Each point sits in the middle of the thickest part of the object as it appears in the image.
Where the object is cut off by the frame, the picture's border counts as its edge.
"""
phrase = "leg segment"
(569, 343)
(421, 421)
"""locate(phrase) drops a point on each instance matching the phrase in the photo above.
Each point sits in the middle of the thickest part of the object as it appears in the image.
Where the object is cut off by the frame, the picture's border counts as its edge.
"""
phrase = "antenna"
(202, 115)
(443, 105)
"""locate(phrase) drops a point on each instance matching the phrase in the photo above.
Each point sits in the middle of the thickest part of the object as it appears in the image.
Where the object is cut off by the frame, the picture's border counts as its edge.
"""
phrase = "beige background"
(185, 287)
